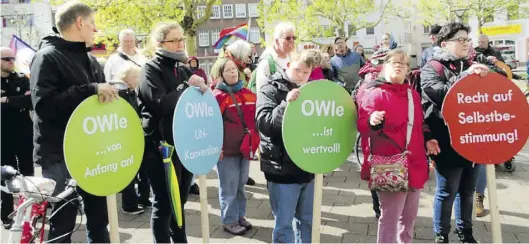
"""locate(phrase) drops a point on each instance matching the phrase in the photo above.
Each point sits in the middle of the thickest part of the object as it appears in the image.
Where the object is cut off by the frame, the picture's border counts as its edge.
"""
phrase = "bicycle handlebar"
(37, 188)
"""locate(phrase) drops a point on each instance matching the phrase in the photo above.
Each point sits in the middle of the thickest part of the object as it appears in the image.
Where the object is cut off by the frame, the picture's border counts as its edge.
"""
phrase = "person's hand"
(106, 93)
(293, 95)
(479, 69)
(248, 72)
(27, 93)
(432, 147)
(198, 82)
(4, 99)
(376, 118)
(492, 59)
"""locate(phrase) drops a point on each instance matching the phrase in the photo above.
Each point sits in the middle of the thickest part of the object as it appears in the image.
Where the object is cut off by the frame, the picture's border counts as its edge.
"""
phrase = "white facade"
(29, 21)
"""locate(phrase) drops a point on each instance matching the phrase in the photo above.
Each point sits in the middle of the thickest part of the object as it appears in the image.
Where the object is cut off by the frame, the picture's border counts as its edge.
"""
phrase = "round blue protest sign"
(198, 130)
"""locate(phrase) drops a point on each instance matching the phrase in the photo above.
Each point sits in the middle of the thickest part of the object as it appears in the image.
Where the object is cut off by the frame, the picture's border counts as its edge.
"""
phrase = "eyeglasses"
(176, 40)
(9, 59)
(396, 63)
(461, 40)
(290, 38)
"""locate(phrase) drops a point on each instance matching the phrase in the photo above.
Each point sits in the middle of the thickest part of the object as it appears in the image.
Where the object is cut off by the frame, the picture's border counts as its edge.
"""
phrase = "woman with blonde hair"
(240, 53)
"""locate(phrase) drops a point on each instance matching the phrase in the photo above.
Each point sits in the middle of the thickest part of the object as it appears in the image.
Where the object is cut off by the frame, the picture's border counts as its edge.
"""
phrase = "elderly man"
(486, 53)
(346, 64)
(17, 127)
(126, 52)
(277, 55)
(63, 75)
(427, 54)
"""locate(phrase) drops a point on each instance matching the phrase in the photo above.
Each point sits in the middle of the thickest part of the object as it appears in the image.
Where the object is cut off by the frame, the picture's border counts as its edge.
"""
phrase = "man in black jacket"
(486, 53)
(290, 188)
(63, 74)
(17, 127)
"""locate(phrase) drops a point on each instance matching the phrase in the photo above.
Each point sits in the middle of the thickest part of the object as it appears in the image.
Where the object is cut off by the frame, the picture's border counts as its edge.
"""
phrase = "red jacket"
(393, 99)
(316, 74)
(233, 128)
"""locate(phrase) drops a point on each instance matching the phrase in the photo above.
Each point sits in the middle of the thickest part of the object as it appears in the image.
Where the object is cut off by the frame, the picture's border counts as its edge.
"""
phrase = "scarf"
(233, 88)
(178, 56)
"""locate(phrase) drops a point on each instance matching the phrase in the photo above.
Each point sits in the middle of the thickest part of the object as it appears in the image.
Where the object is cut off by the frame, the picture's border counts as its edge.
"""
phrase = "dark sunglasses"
(290, 38)
(9, 59)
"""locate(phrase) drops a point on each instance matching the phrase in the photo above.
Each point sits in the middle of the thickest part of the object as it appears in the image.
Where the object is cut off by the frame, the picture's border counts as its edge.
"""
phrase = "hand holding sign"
(487, 118)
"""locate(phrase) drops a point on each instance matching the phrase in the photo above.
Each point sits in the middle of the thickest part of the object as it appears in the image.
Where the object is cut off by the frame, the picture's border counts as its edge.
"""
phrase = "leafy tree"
(142, 16)
(322, 18)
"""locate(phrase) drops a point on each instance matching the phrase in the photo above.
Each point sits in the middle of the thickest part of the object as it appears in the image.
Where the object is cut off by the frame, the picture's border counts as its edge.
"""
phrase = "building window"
(215, 36)
(201, 11)
(370, 30)
(24, 1)
(203, 38)
(227, 11)
(240, 10)
(215, 12)
(255, 35)
(252, 10)
(5, 1)
(426, 29)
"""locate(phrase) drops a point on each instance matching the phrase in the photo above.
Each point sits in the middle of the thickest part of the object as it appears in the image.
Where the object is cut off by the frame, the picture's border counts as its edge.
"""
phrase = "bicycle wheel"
(358, 151)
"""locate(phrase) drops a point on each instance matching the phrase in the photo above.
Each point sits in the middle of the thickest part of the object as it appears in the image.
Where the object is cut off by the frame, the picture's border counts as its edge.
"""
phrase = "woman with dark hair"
(162, 82)
(360, 49)
(455, 174)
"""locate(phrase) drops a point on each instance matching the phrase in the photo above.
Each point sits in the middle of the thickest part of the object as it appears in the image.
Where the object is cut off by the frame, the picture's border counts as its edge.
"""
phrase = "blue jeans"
(482, 179)
(233, 174)
(292, 208)
(451, 182)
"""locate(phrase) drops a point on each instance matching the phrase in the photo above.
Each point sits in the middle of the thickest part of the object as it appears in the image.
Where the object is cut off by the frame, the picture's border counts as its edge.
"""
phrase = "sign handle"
(493, 203)
(113, 218)
(316, 210)
(204, 213)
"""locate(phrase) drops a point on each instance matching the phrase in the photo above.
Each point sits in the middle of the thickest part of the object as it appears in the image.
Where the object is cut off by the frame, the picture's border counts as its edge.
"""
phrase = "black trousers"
(163, 222)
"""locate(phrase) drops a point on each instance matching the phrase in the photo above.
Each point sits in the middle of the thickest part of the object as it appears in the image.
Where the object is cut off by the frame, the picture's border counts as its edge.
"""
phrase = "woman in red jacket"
(383, 117)
(233, 168)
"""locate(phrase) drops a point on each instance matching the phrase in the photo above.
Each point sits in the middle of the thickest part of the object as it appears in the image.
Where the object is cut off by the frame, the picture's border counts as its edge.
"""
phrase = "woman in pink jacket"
(383, 117)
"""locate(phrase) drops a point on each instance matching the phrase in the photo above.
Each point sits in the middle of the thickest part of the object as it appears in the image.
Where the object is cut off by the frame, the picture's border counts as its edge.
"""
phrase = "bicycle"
(34, 195)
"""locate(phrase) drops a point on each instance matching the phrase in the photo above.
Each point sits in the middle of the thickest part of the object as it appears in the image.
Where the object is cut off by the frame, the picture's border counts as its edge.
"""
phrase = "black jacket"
(129, 95)
(270, 107)
(63, 74)
(434, 89)
(483, 53)
(15, 113)
(158, 92)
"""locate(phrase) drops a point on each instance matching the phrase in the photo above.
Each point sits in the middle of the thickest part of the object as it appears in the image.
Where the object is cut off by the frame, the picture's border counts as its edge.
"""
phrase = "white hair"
(125, 32)
(283, 28)
(240, 49)
(126, 70)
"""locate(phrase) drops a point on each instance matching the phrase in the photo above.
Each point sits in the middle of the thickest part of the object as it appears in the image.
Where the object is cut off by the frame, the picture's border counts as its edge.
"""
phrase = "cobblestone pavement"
(347, 215)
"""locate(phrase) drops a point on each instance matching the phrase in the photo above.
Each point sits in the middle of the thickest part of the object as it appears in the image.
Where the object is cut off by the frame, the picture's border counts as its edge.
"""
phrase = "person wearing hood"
(233, 168)
(63, 75)
(291, 189)
(194, 65)
(455, 174)
(383, 118)
(162, 81)
(127, 52)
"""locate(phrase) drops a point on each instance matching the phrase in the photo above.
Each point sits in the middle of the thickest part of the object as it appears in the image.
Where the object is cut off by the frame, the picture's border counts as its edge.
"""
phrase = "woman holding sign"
(390, 115)
(162, 81)
(455, 174)
(237, 105)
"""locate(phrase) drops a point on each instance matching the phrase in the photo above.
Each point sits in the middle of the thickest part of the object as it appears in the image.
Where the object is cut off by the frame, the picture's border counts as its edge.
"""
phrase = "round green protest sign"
(319, 127)
(103, 145)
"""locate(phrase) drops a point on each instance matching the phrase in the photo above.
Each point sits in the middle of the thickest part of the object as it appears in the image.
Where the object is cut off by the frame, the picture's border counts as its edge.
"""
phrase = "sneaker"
(136, 211)
(465, 236)
(441, 238)
(235, 229)
(194, 189)
(377, 215)
(8, 223)
(244, 223)
(480, 208)
(145, 204)
(250, 182)
(510, 166)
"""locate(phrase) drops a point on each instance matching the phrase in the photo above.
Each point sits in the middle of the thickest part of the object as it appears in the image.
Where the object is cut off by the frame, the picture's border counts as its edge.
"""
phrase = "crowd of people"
(252, 91)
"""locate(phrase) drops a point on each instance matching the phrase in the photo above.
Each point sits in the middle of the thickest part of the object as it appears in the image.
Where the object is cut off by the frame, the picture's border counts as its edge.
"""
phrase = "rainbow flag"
(24, 54)
(240, 31)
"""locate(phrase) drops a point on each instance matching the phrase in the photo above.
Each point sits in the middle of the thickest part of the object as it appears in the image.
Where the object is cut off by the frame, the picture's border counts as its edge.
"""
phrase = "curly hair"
(449, 31)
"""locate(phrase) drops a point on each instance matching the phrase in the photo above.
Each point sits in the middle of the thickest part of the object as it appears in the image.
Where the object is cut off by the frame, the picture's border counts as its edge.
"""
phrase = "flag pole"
(249, 25)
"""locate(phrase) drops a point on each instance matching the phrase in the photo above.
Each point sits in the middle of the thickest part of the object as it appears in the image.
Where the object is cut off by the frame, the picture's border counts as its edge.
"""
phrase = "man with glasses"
(486, 53)
(346, 64)
(17, 127)
(126, 51)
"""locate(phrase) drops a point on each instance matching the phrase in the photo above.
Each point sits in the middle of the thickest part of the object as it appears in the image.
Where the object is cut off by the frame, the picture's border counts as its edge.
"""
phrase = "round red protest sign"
(488, 118)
